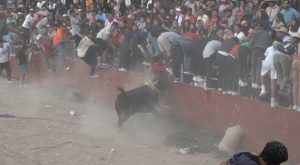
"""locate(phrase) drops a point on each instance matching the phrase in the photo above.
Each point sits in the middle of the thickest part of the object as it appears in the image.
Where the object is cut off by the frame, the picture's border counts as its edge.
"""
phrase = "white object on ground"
(111, 151)
(48, 106)
(231, 139)
(184, 151)
(72, 113)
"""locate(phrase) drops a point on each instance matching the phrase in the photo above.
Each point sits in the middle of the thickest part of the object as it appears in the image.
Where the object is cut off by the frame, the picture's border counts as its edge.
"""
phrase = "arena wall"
(197, 107)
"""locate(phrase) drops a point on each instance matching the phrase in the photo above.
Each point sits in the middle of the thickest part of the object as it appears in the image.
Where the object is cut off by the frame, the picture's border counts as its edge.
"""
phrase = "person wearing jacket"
(274, 153)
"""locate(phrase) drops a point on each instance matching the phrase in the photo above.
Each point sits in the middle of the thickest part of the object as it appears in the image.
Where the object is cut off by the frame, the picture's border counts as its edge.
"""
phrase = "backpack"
(287, 48)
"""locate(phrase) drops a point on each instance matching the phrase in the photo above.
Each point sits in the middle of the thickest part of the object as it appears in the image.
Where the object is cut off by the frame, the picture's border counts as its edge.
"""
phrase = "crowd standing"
(241, 43)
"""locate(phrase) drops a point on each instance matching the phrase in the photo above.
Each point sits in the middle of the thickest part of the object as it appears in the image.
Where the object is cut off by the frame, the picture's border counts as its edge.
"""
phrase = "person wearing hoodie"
(274, 153)
(223, 62)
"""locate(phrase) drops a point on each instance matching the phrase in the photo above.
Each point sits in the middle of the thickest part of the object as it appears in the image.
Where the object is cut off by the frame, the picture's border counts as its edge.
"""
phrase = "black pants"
(221, 62)
(197, 62)
(233, 74)
(91, 58)
(77, 39)
(137, 57)
(6, 66)
(244, 63)
(125, 55)
(256, 60)
(177, 58)
(208, 62)
(26, 36)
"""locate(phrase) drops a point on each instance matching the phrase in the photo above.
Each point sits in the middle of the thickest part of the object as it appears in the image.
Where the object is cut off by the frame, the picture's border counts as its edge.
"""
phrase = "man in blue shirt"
(288, 12)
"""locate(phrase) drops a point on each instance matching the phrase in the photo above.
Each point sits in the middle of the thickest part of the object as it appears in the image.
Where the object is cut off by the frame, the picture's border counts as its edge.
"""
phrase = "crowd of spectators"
(239, 43)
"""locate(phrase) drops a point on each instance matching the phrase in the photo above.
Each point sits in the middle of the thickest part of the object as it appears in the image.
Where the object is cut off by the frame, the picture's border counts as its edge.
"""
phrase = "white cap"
(64, 15)
(38, 37)
(178, 9)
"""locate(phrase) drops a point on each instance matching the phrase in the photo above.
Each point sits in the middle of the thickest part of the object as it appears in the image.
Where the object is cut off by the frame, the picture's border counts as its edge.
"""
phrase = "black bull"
(141, 99)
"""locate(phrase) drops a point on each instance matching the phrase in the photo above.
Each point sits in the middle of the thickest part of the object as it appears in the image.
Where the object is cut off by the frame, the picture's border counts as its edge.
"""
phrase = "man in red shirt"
(159, 73)
(189, 16)
(187, 42)
(158, 68)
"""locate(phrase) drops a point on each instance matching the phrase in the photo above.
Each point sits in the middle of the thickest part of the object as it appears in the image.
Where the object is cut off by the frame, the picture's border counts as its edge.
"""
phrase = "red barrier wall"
(199, 108)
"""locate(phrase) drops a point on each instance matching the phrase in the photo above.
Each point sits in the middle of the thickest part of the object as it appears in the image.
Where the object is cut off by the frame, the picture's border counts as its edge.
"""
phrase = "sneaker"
(198, 79)
(187, 72)
(233, 93)
(255, 86)
(274, 103)
(176, 80)
(94, 76)
(104, 65)
(298, 109)
(9, 81)
(242, 83)
(146, 63)
(197, 84)
(208, 88)
(295, 107)
(67, 68)
(220, 89)
(122, 69)
(262, 93)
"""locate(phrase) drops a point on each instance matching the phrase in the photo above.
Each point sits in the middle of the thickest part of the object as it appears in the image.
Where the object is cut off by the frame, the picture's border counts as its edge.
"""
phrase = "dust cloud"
(43, 132)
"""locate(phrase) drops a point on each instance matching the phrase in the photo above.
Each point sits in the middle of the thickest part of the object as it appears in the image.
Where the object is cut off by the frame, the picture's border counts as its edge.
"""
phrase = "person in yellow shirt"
(90, 4)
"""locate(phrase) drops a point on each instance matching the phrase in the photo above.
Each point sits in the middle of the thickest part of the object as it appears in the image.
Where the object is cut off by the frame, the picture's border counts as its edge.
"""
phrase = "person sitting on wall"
(159, 68)
(161, 75)
(274, 153)
(88, 52)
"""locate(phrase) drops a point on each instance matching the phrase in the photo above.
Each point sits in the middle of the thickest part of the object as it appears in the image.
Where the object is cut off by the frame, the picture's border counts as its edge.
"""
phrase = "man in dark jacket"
(261, 41)
(274, 153)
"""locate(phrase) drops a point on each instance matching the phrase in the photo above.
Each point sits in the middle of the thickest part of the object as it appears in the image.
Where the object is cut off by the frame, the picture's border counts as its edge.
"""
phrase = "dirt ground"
(36, 128)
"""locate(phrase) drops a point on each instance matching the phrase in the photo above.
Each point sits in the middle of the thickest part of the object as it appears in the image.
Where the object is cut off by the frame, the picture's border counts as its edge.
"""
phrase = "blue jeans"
(154, 45)
(186, 45)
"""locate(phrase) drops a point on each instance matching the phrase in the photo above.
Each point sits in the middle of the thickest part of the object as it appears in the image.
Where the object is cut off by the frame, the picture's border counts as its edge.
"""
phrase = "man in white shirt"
(272, 9)
(267, 66)
(27, 25)
(111, 19)
(165, 41)
(104, 36)
(209, 56)
(179, 16)
(40, 3)
(4, 59)
(75, 27)
(238, 33)
(201, 16)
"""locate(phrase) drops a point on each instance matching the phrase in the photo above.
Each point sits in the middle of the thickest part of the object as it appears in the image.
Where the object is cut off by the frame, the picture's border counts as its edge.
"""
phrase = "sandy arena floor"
(42, 132)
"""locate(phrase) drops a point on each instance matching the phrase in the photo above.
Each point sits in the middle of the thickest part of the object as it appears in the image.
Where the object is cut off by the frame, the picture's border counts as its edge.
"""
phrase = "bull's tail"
(121, 90)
